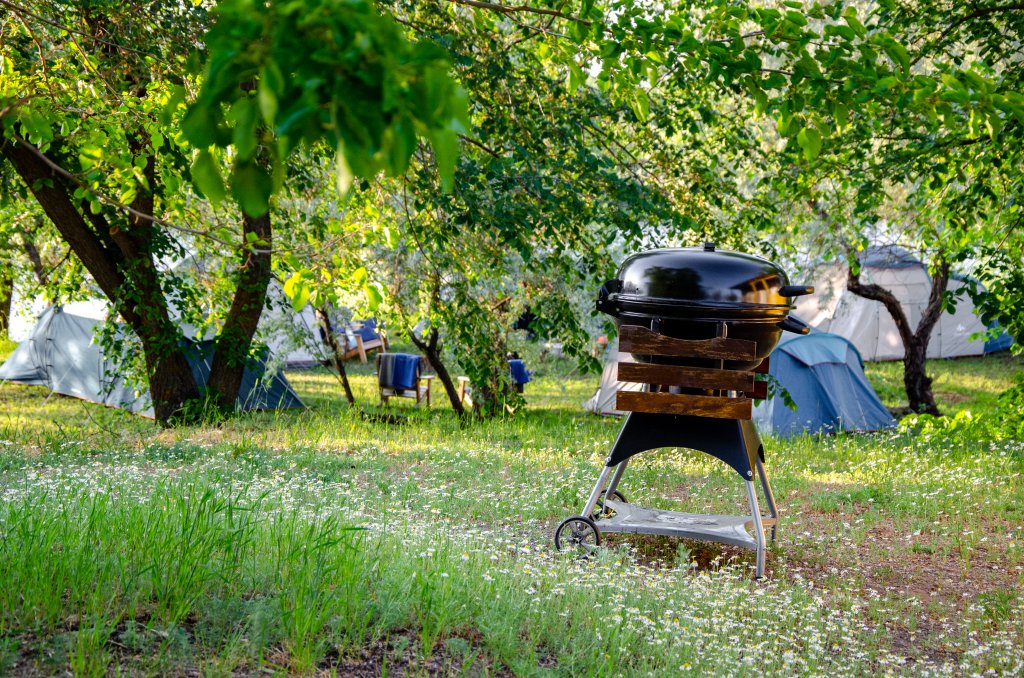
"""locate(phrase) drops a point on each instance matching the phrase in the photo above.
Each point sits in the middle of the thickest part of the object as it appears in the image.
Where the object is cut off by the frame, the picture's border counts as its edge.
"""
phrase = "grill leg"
(588, 510)
(755, 514)
(768, 495)
(614, 484)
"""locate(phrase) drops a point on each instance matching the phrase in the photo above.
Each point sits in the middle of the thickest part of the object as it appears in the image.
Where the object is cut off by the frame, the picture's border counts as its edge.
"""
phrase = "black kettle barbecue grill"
(700, 323)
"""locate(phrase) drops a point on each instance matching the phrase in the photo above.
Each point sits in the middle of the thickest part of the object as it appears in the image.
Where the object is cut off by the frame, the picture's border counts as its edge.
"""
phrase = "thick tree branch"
(933, 311)
(106, 200)
(45, 184)
(521, 9)
(240, 324)
(887, 299)
(337, 351)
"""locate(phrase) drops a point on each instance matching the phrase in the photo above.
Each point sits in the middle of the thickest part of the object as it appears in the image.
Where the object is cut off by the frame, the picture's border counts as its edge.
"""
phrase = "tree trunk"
(6, 297)
(235, 337)
(337, 352)
(432, 351)
(915, 341)
(121, 263)
(32, 252)
(918, 384)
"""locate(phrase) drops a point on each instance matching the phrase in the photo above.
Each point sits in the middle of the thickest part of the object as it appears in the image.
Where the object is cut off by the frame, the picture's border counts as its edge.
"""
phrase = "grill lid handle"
(795, 290)
(604, 304)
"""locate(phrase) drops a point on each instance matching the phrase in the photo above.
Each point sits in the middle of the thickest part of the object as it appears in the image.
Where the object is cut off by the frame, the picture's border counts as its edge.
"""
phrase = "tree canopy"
(499, 142)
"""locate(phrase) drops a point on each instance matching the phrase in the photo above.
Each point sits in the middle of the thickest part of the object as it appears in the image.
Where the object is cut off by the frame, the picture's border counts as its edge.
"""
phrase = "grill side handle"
(795, 290)
(605, 303)
(795, 325)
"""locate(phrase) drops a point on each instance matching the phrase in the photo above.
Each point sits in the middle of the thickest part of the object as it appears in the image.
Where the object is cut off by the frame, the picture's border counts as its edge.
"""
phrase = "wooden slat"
(760, 390)
(693, 405)
(636, 339)
(690, 377)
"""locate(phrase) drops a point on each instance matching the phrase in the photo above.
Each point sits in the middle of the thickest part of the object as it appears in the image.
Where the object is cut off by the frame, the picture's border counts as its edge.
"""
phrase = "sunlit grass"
(958, 384)
(6, 348)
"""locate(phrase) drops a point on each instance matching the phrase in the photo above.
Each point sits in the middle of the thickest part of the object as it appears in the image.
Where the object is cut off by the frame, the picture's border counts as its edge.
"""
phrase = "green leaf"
(760, 99)
(976, 81)
(198, 126)
(994, 124)
(576, 77)
(373, 296)
(951, 82)
(267, 99)
(89, 156)
(641, 105)
(297, 291)
(206, 177)
(853, 22)
(244, 136)
(898, 53)
(251, 185)
(809, 140)
(401, 142)
(173, 102)
(841, 113)
(886, 83)
(845, 32)
(446, 152)
(795, 17)
(343, 173)
(974, 124)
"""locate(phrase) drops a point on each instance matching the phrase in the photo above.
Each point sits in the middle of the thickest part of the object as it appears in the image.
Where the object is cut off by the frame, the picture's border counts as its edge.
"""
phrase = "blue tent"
(824, 375)
(61, 355)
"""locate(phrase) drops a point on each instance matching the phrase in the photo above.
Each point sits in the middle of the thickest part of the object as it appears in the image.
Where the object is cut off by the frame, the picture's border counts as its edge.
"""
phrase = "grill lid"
(698, 277)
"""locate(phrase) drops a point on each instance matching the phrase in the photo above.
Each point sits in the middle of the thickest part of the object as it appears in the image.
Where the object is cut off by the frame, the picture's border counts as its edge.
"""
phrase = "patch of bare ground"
(887, 559)
(400, 655)
(887, 562)
(918, 643)
(397, 655)
(951, 398)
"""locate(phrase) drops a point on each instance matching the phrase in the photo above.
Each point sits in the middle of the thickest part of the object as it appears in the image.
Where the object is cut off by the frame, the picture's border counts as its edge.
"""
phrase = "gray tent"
(61, 355)
(824, 375)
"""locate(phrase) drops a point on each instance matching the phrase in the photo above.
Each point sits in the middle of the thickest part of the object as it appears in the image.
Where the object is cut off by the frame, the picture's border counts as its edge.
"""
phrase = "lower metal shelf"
(632, 519)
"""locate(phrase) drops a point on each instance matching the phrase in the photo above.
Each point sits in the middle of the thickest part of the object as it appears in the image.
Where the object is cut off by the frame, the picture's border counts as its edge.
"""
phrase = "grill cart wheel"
(577, 533)
(616, 496)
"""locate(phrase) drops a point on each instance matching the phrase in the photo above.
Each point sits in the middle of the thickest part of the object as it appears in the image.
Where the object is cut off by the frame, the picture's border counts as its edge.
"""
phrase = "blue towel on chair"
(518, 370)
(405, 372)
(386, 370)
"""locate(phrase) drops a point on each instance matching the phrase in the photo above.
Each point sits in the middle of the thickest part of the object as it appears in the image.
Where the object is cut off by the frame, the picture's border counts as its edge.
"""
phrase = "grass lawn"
(326, 542)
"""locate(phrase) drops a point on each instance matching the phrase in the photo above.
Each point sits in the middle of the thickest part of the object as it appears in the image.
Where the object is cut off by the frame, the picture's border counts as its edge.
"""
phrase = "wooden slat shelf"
(689, 377)
(692, 405)
(636, 339)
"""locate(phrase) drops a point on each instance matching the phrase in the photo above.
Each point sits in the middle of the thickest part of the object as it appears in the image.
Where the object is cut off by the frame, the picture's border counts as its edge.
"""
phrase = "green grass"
(324, 541)
(6, 347)
(960, 384)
